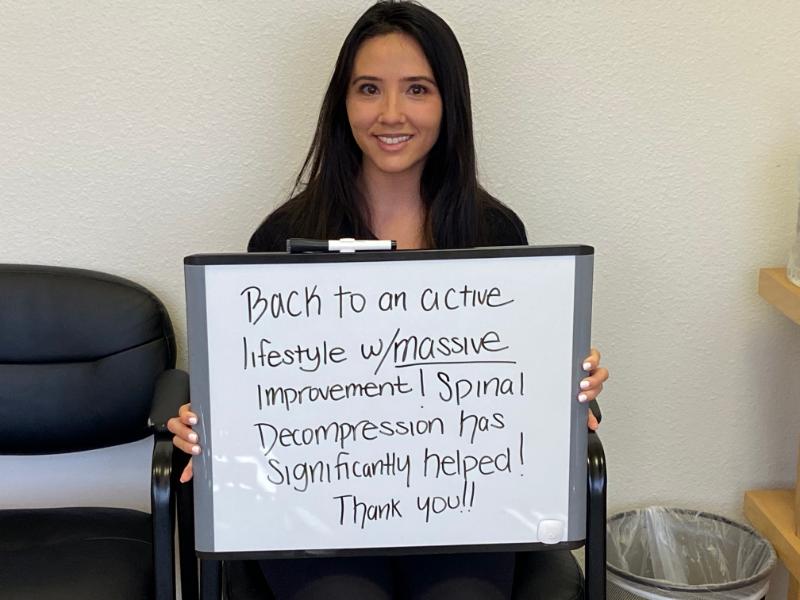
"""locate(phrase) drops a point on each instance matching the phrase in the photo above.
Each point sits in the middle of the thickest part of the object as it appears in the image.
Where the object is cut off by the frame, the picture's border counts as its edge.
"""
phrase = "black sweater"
(503, 226)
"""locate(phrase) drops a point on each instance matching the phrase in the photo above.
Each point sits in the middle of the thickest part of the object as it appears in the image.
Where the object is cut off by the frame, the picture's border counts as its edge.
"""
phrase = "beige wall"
(666, 134)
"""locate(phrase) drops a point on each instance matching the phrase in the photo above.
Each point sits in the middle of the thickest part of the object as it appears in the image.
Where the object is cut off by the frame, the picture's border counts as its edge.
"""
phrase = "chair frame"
(596, 507)
(172, 390)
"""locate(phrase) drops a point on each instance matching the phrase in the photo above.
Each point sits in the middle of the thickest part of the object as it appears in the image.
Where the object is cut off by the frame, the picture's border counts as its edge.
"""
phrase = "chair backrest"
(79, 355)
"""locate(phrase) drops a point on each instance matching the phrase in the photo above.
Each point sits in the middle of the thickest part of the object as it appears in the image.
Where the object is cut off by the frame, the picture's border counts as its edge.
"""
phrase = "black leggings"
(486, 576)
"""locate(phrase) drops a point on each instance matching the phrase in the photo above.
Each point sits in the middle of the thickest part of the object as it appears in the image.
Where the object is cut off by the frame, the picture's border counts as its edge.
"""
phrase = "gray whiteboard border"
(251, 258)
(581, 330)
(197, 337)
(393, 551)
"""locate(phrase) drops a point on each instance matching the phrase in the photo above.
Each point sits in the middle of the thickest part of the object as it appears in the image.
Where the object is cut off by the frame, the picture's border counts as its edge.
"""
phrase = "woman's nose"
(392, 110)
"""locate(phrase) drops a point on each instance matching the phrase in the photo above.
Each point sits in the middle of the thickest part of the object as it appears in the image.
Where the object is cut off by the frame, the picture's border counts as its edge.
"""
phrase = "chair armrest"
(171, 391)
(595, 559)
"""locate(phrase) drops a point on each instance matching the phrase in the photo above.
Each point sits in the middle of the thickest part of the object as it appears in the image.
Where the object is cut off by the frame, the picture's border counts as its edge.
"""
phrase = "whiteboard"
(389, 402)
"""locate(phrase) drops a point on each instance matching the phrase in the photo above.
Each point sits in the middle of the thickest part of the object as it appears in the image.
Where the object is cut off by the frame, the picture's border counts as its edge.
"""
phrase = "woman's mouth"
(393, 142)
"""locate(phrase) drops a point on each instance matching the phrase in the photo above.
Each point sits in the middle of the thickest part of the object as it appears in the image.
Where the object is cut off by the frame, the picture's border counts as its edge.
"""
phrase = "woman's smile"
(393, 143)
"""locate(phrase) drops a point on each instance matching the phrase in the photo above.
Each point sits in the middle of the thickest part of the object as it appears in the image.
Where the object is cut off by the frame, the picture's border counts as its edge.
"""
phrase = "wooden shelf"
(776, 513)
(772, 513)
(775, 288)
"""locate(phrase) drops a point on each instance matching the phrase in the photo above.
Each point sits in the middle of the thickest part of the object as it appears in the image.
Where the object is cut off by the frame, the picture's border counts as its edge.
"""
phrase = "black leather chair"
(539, 575)
(86, 361)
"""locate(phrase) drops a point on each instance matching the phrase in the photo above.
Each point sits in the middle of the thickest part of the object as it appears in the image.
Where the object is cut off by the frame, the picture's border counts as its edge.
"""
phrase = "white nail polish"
(192, 420)
(585, 384)
(582, 397)
(587, 366)
(195, 450)
(192, 437)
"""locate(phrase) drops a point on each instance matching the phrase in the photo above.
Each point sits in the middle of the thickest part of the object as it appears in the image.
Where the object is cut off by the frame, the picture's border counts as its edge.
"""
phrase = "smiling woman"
(393, 153)
(393, 156)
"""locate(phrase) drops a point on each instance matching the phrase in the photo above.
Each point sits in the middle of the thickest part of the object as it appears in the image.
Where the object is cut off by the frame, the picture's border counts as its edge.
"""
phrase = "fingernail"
(585, 384)
(582, 397)
(192, 437)
(192, 420)
(195, 449)
(587, 366)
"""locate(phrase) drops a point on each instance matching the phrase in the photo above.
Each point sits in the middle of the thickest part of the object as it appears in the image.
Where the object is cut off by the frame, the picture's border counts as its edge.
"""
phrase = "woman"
(393, 158)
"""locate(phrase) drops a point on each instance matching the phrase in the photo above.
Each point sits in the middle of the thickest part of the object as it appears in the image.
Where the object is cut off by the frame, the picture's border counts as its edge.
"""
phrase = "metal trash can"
(664, 553)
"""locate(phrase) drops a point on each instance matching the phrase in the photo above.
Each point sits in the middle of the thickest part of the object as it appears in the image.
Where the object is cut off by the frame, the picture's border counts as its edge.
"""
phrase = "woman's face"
(393, 104)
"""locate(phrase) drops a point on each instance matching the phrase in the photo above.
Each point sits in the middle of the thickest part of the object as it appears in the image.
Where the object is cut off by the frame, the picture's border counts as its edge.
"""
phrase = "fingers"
(591, 362)
(186, 415)
(187, 472)
(184, 432)
(593, 423)
(185, 439)
(591, 386)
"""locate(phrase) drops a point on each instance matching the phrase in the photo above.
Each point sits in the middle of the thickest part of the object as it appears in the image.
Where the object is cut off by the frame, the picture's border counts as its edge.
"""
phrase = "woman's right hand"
(185, 439)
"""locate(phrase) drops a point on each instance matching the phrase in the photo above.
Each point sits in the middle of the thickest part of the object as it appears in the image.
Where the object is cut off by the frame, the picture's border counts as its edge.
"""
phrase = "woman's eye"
(369, 89)
(417, 90)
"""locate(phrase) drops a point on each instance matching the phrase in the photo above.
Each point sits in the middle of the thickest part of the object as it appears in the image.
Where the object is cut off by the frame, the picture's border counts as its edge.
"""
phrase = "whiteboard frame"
(194, 270)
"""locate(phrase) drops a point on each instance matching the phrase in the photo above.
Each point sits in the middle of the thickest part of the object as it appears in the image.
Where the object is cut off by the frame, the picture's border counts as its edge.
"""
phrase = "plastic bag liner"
(656, 553)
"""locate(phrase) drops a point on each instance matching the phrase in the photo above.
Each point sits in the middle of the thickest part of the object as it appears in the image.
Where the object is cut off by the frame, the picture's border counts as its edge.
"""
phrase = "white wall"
(667, 135)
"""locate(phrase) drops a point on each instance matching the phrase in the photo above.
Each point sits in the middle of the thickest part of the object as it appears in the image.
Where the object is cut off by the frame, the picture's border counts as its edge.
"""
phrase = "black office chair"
(539, 575)
(86, 361)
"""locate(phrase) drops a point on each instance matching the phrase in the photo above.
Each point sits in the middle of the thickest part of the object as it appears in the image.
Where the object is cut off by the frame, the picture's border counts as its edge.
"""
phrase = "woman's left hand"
(592, 384)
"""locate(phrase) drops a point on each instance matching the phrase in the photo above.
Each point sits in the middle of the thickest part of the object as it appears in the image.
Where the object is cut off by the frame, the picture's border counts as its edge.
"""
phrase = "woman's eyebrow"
(410, 79)
(366, 78)
(416, 78)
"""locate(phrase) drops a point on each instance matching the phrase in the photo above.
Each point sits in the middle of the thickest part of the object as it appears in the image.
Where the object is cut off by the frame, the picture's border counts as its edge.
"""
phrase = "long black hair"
(326, 202)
